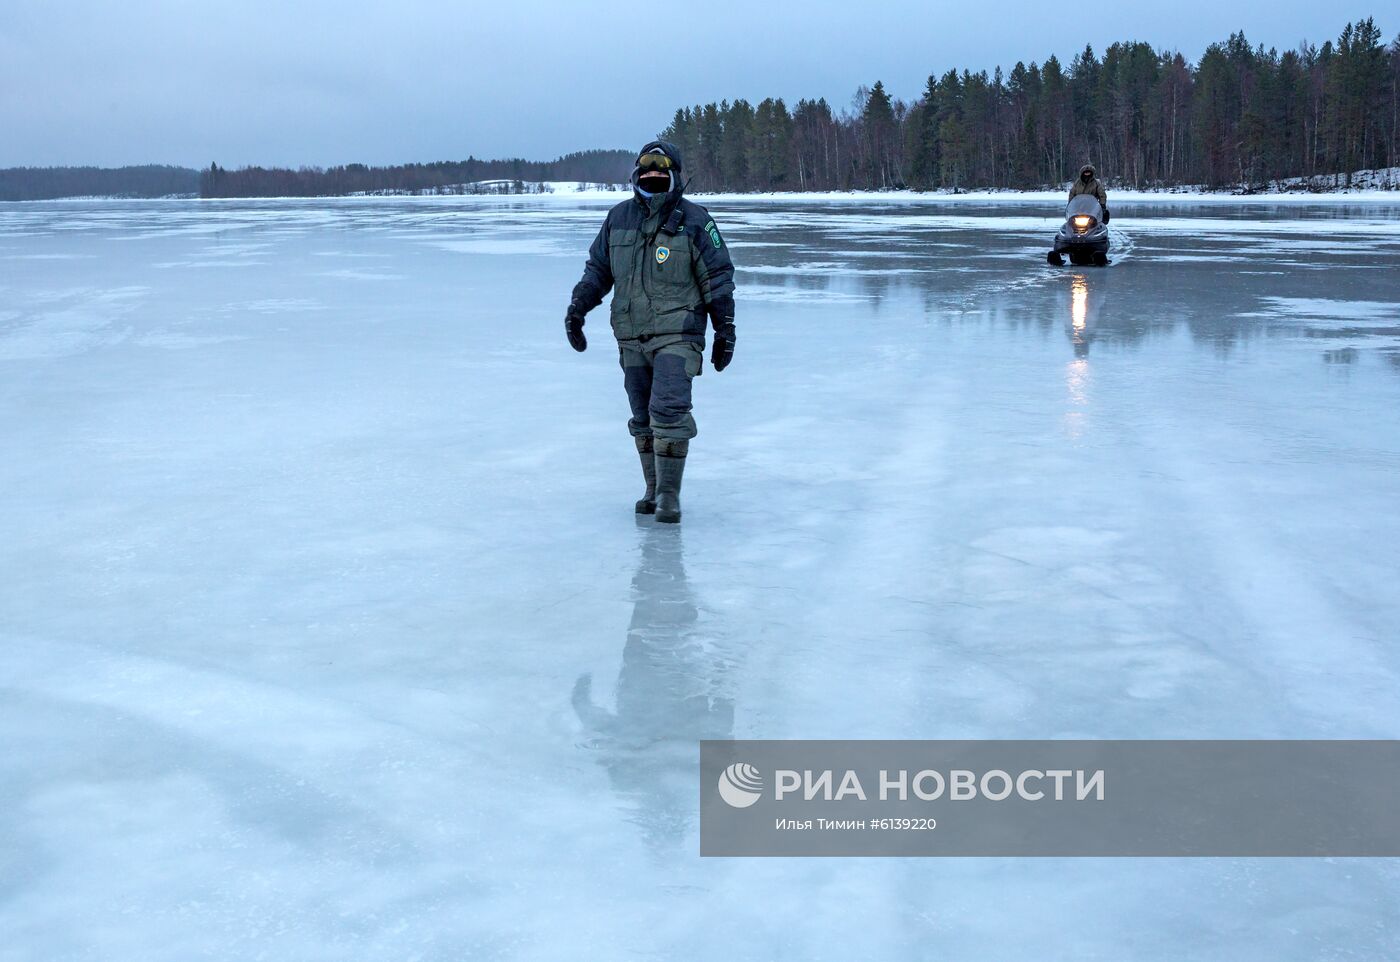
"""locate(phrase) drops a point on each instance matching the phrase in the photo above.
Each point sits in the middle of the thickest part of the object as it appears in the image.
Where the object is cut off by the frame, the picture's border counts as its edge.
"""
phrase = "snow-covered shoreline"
(1057, 196)
(1367, 186)
(1378, 186)
(1117, 197)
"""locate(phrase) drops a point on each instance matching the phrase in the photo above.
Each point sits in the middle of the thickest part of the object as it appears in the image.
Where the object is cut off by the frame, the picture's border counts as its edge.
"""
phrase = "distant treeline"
(1241, 115)
(46, 183)
(589, 166)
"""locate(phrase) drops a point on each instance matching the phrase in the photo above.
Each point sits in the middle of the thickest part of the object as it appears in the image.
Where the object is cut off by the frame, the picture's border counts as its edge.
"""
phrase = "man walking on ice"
(668, 268)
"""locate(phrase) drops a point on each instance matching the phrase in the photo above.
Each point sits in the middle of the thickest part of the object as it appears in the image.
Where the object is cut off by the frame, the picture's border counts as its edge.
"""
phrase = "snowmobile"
(1084, 236)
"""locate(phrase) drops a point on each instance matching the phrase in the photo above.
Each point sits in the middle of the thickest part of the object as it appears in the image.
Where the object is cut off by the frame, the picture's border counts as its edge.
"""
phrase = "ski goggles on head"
(654, 161)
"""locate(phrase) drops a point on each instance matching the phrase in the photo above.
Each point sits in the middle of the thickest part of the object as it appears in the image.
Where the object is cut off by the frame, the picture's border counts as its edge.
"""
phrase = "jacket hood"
(670, 150)
(1088, 168)
(667, 148)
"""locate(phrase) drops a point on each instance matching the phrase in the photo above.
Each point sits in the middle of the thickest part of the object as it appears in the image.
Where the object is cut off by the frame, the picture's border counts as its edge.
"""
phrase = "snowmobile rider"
(668, 268)
(1089, 183)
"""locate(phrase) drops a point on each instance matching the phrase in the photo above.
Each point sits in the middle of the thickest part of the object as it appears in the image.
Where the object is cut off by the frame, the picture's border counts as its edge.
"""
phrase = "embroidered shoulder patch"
(713, 231)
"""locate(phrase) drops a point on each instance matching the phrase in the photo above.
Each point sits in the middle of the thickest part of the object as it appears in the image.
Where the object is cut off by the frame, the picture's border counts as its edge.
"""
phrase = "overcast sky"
(289, 83)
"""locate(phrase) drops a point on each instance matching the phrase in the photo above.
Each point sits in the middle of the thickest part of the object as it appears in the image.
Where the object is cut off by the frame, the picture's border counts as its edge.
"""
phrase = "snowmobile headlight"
(1082, 221)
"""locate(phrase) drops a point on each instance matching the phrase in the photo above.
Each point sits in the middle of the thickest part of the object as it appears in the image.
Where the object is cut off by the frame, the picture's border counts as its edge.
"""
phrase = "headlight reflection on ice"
(1079, 302)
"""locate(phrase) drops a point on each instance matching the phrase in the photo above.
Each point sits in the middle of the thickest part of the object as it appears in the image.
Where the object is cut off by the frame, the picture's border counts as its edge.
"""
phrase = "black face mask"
(1086, 176)
(654, 183)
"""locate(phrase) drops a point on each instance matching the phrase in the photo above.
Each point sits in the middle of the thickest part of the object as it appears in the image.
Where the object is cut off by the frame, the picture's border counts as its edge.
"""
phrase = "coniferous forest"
(43, 183)
(588, 166)
(1241, 115)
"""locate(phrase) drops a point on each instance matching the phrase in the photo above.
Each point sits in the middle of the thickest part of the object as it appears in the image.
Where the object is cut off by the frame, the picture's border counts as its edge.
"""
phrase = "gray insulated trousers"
(657, 374)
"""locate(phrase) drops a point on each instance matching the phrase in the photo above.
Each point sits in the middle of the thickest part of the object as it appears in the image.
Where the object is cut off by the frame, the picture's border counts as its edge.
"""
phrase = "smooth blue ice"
(327, 631)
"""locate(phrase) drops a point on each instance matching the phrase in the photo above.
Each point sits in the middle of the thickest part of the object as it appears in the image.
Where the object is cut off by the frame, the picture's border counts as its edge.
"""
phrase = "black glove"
(1105, 216)
(721, 312)
(573, 327)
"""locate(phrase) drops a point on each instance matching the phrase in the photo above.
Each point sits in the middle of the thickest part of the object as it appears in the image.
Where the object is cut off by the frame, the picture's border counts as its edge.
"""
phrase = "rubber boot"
(670, 466)
(647, 505)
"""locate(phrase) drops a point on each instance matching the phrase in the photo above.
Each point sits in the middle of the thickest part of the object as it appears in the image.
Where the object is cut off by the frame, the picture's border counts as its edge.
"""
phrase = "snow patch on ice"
(829, 269)
(181, 340)
(350, 274)
(275, 305)
(205, 264)
(85, 323)
(1318, 307)
(801, 295)
(540, 247)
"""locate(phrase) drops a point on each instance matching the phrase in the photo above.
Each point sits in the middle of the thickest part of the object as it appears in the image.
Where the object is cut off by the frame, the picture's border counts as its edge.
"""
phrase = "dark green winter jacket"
(665, 262)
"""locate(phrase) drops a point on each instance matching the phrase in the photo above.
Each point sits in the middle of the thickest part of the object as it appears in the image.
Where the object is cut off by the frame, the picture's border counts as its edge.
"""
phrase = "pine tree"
(769, 159)
(735, 145)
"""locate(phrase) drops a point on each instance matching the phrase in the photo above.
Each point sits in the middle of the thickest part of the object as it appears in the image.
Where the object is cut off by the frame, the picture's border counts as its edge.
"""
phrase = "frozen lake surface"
(327, 631)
